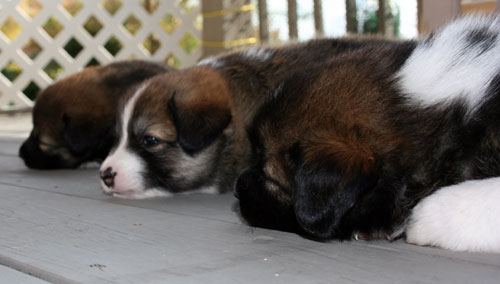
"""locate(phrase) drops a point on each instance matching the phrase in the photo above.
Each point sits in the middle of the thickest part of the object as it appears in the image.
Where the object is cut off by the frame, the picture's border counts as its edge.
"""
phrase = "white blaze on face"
(128, 166)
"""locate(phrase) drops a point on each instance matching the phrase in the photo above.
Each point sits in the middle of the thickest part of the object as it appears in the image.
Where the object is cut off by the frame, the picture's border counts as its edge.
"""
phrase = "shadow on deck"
(58, 227)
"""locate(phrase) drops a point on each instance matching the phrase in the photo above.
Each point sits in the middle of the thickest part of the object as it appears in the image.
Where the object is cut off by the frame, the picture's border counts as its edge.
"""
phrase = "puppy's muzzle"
(108, 176)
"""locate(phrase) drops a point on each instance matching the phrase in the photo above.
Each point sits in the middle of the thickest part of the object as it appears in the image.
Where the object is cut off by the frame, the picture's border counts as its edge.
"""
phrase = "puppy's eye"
(150, 141)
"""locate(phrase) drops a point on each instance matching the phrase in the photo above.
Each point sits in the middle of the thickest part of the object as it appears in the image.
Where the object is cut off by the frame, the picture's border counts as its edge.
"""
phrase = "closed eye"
(273, 182)
(49, 145)
(46, 147)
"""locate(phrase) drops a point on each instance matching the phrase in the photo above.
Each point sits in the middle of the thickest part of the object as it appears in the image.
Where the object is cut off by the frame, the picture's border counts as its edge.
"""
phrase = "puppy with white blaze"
(372, 145)
(186, 132)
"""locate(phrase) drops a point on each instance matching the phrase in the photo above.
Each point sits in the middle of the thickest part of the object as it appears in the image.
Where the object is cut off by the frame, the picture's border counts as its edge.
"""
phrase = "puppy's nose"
(108, 176)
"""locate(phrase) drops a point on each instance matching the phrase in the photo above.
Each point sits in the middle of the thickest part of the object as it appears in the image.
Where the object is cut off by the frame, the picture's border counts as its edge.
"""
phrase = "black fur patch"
(35, 158)
(483, 38)
(261, 209)
(85, 144)
(323, 196)
(197, 129)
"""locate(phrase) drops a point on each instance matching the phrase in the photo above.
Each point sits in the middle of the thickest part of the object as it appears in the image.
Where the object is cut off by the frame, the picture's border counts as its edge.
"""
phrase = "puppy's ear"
(326, 189)
(198, 122)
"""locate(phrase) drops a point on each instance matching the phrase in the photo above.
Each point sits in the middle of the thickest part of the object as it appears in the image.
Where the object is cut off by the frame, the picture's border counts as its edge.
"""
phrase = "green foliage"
(52, 27)
(73, 47)
(152, 43)
(53, 69)
(113, 45)
(31, 91)
(72, 6)
(93, 62)
(92, 26)
(112, 6)
(189, 43)
(370, 23)
(11, 71)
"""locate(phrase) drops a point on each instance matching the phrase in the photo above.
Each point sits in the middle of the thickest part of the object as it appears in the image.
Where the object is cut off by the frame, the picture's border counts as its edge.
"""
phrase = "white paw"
(462, 217)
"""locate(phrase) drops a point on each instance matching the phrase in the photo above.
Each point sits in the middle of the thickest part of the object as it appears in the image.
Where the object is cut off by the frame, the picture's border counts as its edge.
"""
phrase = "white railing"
(137, 29)
(32, 55)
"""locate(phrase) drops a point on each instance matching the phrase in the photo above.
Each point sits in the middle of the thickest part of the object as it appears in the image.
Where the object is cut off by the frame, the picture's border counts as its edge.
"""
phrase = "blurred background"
(45, 40)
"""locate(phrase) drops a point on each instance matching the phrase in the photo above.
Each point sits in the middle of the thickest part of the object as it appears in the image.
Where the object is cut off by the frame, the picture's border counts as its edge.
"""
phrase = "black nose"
(108, 176)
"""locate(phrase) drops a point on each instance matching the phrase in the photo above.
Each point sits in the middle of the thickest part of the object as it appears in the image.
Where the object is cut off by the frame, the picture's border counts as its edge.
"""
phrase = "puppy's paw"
(462, 217)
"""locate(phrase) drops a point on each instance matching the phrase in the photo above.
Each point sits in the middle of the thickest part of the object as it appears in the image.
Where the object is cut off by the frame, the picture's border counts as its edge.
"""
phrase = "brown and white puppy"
(73, 118)
(345, 150)
(185, 131)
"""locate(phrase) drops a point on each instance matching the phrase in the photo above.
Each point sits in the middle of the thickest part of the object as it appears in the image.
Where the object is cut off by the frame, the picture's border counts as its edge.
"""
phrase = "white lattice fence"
(167, 32)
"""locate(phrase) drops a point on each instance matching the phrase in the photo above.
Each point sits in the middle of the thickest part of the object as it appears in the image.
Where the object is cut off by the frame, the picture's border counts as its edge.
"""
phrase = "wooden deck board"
(58, 226)
(8, 275)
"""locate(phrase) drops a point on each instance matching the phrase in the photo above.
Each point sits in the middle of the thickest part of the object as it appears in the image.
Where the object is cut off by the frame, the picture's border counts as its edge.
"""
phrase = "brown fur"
(208, 108)
(320, 143)
(72, 118)
(347, 136)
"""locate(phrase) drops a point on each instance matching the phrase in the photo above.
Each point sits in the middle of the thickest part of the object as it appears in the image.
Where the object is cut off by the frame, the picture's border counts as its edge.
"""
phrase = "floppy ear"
(326, 190)
(198, 124)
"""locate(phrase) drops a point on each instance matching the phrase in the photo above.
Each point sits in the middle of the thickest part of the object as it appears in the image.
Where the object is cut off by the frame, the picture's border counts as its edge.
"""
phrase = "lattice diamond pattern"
(52, 27)
(92, 25)
(32, 49)
(132, 24)
(53, 69)
(11, 71)
(150, 6)
(30, 7)
(72, 6)
(61, 37)
(112, 6)
(93, 62)
(152, 44)
(31, 90)
(73, 47)
(170, 23)
(11, 28)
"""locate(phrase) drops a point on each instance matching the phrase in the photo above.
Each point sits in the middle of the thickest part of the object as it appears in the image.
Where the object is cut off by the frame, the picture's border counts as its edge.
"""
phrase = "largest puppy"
(73, 118)
(186, 130)
(347, 149)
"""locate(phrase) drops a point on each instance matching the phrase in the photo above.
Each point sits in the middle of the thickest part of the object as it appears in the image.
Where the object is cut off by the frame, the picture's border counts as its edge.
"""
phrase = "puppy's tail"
(458, 63)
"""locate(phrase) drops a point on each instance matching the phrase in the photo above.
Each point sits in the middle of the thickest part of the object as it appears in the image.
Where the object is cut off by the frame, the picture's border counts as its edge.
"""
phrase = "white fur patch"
(187, 167)
(143, 194)
(258, 53)
(448, 68)
(128, 182)
(212, 61)
(462, 217)
(212, 189)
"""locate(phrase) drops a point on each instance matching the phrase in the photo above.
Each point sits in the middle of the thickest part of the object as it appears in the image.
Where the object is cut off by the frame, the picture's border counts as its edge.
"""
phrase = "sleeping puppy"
(347, 149)
(73, 118)
(185, 131)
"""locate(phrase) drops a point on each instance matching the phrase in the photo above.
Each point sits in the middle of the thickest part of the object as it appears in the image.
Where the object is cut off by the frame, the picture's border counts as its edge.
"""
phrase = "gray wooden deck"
(57, 226)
